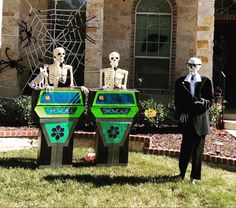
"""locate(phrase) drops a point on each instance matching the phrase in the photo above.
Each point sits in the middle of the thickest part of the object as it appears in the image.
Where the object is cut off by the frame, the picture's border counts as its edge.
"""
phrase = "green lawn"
(143, 183)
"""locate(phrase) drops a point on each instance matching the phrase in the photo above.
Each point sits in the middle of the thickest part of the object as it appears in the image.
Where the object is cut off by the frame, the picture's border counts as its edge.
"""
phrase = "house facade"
(155, 38)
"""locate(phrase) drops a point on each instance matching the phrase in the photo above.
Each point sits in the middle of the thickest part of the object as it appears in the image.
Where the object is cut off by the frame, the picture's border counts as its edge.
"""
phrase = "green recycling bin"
(113, 112)
(59, 111)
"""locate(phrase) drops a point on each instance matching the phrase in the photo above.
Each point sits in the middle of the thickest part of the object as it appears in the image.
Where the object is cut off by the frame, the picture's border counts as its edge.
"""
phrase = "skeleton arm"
(46, 76)
(126, 78)
(120, 76)
(70, 68)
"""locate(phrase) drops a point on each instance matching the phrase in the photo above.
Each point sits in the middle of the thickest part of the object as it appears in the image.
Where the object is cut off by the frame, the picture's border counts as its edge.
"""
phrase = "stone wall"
(9, 78)
(186, 34)
(93, 52)
(205, 35)
(117, 32)
(11, 82)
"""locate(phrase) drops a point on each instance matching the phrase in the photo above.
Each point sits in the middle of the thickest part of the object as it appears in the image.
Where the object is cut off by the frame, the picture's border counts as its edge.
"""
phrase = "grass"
(145, 182)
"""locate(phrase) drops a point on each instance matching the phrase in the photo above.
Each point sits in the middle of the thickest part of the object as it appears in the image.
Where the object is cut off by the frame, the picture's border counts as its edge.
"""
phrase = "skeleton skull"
(194, 64)
(59, 54)
(114, 58)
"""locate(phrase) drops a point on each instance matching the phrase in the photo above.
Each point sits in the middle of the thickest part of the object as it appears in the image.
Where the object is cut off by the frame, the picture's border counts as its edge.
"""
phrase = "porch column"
(93, 52)
(205, 35)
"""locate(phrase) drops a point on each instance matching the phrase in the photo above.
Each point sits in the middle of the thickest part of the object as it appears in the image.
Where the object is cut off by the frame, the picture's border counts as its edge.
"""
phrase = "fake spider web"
(54, 28)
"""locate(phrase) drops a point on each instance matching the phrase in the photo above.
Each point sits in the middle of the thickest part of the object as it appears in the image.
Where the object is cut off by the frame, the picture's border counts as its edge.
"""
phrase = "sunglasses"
(193, 65)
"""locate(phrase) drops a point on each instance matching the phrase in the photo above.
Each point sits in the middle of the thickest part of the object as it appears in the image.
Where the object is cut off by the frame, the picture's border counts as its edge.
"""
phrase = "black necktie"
(192, 77)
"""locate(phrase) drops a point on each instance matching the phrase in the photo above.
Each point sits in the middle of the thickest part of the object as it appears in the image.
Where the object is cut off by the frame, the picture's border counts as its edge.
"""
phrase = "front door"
(225, 59)
(224, 69)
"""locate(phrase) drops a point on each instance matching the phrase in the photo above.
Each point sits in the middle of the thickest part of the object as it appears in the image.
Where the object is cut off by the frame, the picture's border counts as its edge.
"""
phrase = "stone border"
(138, 143)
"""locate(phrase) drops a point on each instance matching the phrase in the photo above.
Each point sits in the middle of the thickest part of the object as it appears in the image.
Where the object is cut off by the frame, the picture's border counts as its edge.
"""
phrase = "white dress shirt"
(197, 78)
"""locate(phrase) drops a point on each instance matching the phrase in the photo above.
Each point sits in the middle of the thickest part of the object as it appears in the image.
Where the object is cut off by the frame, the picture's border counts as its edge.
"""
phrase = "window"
(153, 44)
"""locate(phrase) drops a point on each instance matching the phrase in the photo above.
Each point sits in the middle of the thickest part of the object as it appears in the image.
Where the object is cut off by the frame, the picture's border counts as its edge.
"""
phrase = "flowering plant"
(217, 132)
(152, 112)
(215, 114)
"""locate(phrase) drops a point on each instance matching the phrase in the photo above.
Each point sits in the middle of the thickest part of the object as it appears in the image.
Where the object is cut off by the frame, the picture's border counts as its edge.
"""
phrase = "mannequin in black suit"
(193, 98)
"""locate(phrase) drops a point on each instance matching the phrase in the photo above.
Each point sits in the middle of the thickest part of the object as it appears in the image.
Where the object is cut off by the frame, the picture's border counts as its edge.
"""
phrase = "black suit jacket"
(196, 107)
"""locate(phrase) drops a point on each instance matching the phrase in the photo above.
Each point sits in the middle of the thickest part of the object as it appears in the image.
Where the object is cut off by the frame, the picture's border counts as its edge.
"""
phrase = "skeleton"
(113, 77)
(41, 81)
(193, 64)
(58, 70)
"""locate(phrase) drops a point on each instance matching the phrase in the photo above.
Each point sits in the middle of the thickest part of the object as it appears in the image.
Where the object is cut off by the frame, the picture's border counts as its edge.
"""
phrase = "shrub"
(15, 111)
(152, 113)
(171, 114)
(216, 114)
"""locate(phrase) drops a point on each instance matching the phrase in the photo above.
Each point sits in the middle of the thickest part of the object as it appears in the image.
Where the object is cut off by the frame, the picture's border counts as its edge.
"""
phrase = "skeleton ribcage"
(108, 78)
(57, 74)
(53, 75)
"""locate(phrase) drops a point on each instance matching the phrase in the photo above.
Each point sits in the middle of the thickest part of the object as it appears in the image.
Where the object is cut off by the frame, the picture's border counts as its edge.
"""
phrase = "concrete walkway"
(232, 132)
(9, 144)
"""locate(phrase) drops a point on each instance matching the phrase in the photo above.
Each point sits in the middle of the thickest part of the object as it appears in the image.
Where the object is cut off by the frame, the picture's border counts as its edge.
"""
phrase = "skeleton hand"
(84, 90)
(49, 88)
(106, 87)
(199, 102)
(183, 118)
(123, 87)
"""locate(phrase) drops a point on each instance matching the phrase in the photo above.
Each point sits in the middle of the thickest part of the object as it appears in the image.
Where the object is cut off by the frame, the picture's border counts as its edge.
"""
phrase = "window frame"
(154, 57)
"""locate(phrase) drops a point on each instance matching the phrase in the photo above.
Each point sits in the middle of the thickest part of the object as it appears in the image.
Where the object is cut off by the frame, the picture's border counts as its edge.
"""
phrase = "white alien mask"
(194, 64)
(59, 54)
(114, 58)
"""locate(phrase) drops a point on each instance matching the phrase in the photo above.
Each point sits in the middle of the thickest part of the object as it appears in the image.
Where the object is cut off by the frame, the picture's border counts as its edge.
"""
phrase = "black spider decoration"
(24, 29)
(81, 27)
(11, 63)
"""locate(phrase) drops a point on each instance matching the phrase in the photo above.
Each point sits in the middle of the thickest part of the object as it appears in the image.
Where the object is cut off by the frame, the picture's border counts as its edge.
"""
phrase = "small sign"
(116, 111)
(60, 110)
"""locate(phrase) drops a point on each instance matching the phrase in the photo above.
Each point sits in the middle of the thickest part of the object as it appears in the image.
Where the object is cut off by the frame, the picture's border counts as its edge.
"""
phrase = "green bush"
(216, 114)
(15, 111)
(152, 112)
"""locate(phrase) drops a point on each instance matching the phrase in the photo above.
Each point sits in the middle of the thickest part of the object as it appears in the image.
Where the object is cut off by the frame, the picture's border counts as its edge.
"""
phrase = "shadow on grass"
(27, 163)
(229, 168)
(107, 180)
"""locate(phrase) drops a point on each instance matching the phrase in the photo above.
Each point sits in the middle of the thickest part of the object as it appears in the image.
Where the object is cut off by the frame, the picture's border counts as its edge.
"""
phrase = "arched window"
(153, 38)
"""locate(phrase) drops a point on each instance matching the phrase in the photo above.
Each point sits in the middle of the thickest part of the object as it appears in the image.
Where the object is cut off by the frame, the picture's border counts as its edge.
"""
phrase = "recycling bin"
(113, 112)
(58, 112)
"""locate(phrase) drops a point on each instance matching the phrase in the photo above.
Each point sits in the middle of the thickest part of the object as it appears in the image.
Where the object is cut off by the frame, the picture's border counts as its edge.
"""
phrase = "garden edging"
(139, 143)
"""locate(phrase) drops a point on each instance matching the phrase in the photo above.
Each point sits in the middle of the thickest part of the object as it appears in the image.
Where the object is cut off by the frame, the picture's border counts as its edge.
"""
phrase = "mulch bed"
(170, 139)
